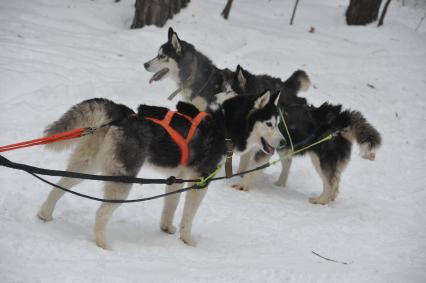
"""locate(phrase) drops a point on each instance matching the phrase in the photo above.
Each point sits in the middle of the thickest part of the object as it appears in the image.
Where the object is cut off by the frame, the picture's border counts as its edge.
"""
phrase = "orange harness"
(182, 143)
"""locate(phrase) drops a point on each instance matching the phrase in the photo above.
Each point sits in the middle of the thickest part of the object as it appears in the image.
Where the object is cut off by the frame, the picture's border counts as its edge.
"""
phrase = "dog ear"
(171, 32)
(176, 43)
(241, 77)
(276, 97)
(262, 100)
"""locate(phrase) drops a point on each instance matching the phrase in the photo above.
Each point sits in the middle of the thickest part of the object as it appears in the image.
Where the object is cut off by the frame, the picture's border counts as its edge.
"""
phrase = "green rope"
(290, 154)
(202, 182)
(286, 129)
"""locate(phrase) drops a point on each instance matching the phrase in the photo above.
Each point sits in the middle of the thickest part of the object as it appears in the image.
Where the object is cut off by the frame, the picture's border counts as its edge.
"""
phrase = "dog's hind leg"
(335, 178)
(192, 203)
(118, 191)
(326, 195)
(285, 168)
(170, 204)
(335, 182)
(76, 164)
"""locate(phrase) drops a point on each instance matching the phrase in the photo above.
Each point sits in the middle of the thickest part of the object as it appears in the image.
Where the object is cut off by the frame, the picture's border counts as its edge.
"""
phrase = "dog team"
(189, 143)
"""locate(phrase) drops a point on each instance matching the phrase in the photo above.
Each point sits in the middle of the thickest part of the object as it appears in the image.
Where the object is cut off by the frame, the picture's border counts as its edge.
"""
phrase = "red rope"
(76, 133)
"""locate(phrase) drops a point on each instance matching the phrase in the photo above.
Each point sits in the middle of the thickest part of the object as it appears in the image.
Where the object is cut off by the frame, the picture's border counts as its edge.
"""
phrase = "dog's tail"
(90, 113)
(351, 125)
(368, 138)
(298, 81)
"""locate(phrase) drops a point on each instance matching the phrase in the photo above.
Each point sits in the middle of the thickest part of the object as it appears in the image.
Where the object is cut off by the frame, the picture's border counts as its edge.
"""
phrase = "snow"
(54, 54)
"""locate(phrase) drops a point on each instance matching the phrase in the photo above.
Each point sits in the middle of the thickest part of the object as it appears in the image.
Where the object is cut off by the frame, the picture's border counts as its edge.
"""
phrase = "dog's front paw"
(279, 183)
(370, 156)
(240, 187)
(43, 215)
(319, 200)
(103, 244)
(168, 228)
(188, 240)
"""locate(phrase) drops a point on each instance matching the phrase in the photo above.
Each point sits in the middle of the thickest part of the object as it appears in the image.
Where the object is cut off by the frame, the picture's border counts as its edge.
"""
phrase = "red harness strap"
(76, 133)
(182, 143)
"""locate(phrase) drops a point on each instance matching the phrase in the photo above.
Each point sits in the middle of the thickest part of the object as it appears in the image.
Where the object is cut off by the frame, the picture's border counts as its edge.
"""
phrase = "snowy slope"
(54, 54)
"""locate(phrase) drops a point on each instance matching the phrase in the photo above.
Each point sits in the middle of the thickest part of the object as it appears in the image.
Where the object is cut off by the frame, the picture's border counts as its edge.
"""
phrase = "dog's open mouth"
(267, 147)
(159, 75)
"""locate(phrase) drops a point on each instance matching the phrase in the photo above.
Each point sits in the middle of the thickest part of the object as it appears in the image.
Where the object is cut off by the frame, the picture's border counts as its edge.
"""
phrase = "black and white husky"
(125, 146)
(200, 82)
(308, 124)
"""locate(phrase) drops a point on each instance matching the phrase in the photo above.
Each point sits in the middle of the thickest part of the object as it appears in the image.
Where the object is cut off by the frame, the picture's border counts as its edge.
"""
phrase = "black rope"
(59, 173)
(32, 170)
(114, 200)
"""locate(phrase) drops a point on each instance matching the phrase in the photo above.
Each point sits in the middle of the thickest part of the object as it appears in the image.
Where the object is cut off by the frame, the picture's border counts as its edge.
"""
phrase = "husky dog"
(200, 81)
(245, 83)
(307, 124)
(135, 140)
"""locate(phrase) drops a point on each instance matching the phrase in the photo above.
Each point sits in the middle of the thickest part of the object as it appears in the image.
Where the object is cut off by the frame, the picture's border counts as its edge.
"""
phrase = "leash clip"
(88, 131)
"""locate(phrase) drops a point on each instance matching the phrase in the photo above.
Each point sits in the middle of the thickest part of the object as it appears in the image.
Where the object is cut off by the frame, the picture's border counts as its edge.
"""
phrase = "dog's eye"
(161, 56)
(269, 124)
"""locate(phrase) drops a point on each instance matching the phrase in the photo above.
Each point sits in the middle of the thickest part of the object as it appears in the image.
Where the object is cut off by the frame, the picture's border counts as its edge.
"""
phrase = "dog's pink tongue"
(157, 76)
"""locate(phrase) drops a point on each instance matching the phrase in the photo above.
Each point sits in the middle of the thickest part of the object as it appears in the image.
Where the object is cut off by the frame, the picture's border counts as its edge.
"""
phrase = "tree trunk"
(156, 12)
(294, 11)
(227, 9)
(362, 12)
(382, 17)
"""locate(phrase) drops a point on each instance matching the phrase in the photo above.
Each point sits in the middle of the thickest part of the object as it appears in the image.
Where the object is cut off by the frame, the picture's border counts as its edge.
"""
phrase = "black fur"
(235, 108)
(307, 124)
(254, 84)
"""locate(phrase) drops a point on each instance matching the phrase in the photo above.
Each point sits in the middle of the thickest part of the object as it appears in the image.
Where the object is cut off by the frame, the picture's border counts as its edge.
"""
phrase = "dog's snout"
(282, 144)
(146, 65)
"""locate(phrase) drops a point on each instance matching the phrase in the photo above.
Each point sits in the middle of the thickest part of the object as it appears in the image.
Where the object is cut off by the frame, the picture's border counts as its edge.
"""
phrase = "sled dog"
(138, 139)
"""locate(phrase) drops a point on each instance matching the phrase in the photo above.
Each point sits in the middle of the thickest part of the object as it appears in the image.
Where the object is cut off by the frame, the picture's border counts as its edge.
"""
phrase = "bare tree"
(421, 21)
(382, 17)
(227, 9)
(362, 12)
(294, 12)
(156, 12)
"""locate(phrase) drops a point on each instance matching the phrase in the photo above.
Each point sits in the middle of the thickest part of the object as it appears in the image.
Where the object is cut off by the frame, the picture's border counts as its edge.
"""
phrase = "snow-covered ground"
(54, 54)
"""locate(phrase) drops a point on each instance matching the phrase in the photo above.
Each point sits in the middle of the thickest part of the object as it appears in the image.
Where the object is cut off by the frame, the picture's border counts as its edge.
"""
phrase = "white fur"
(241, 79)
(305, 83)
(285, 168)
(199, 102)
(223, 96)
(367, 152)
(262, 101)
(176, 43)
(156, 64)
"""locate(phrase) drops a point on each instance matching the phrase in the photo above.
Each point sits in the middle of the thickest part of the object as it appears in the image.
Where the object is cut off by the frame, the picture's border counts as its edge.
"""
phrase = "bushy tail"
(368, 138)
(89, 113)
(298, 81)
(350, 124)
